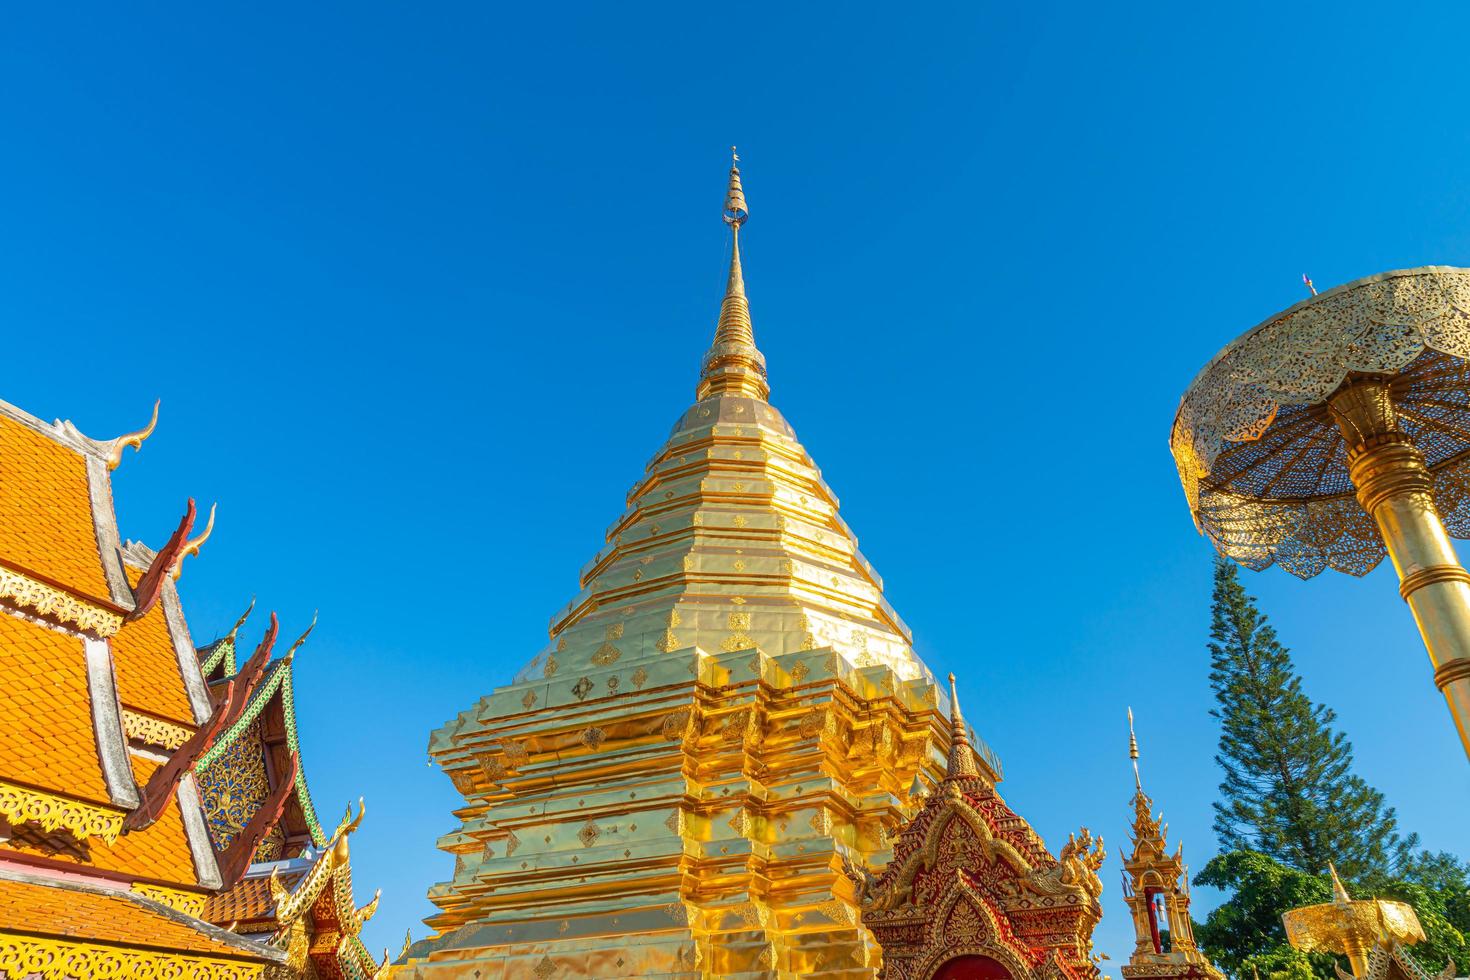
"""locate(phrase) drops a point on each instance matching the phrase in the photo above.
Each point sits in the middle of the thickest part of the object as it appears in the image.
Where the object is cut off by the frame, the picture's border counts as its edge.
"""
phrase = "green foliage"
(1246, 930)
(1249, 924)
(1281, 962)
(1289, 791)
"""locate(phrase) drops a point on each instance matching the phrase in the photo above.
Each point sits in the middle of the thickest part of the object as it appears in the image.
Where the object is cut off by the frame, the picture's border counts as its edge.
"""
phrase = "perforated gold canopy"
(1343, 927)
(1262, 462)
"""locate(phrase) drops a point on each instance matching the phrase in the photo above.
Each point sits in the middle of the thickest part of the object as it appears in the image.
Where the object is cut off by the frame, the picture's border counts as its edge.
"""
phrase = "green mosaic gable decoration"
(221, 651)
(277, 679)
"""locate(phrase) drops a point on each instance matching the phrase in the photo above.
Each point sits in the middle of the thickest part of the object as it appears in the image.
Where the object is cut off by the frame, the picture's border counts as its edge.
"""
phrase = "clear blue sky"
(422, 286)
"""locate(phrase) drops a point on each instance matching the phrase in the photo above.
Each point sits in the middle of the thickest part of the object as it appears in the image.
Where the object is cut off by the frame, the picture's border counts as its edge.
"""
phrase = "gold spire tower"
(1156, 888)
(734, 365)
(726, 710)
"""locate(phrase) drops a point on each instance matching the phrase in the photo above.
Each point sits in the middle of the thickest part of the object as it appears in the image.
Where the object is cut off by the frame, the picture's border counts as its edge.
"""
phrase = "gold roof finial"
(733, 365)
(297, 646)
(1133, 751)
(235, 630)
(134, 439)
(735, 210)
(194, 544)
(961, 755)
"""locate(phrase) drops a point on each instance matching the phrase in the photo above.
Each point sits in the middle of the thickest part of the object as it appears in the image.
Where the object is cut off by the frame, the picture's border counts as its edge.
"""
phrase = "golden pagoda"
(1156, 888)
(972, 893)
(135, 795)
(725, 713)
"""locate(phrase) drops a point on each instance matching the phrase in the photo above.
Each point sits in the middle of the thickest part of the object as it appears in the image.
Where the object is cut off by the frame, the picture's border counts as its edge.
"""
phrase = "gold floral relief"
(58, 959)
(234, 786)
(20, 804)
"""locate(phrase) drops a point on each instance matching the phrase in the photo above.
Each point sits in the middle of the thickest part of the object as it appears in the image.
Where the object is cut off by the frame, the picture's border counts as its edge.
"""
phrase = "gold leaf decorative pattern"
(233, 788)
(675, 724)
(582, 688)
(189, 903)
(55, 959)
(735, 726)
(836, 910)
(52, 603)
(593, 738)
(589, 833)
(154, 731)
(812, 723)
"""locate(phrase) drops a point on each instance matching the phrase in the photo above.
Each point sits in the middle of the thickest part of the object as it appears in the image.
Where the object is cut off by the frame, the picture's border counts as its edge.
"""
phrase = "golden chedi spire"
(733, 365)
(961, 755)
(1133, 752)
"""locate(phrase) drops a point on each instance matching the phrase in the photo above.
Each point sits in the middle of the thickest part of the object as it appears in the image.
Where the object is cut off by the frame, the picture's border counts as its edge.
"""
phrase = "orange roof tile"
(148, 677)
(46, 527)
(46, 735)
(115, 919)
(157, 853)
(248, 901)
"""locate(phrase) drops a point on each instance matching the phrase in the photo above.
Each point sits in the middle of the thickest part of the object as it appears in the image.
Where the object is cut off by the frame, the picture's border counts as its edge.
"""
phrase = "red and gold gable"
(971, 889)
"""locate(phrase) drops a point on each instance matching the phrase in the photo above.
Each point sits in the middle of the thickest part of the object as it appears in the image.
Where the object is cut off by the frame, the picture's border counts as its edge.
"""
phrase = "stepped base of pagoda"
(676, 954)
(678, 814)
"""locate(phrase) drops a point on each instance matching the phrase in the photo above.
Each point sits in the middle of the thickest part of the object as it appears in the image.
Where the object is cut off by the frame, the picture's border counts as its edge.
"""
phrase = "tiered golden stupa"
(725, 712)
(972, 892)
(1156, 888)
(135, 797)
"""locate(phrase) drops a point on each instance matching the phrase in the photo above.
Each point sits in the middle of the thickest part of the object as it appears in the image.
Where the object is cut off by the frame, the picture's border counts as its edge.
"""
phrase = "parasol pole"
(1394, 487)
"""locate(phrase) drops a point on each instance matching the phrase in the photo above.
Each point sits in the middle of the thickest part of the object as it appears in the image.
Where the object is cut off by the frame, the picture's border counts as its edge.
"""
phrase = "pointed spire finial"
(192, 546)
(235, 630)
(1339, 893)
(961, 755)
(736, 211)
(134, 439)
(1133, 751)
(733, 365)
(302, 639)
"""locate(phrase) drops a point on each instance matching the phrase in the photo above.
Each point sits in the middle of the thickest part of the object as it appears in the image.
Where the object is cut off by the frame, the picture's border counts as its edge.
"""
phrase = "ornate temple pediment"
(972, 891)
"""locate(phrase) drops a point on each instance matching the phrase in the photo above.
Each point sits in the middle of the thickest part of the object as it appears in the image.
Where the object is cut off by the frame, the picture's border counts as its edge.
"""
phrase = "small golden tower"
(1156, 888)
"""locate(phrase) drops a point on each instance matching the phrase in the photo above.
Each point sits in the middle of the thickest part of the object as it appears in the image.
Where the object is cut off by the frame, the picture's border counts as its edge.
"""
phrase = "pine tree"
(1289, 791)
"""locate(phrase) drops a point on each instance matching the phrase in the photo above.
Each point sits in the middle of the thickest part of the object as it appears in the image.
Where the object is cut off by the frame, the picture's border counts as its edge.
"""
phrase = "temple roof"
(969, 875)
(275, 697)
(113, 921)
(89, 626)
(57, 544)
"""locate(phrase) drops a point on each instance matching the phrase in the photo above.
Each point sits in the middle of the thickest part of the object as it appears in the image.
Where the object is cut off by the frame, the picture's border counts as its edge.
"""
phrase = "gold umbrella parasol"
(1339, 431)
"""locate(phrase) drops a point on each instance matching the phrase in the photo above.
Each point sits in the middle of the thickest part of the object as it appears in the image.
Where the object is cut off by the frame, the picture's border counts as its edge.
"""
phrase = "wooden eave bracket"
(150, 586)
